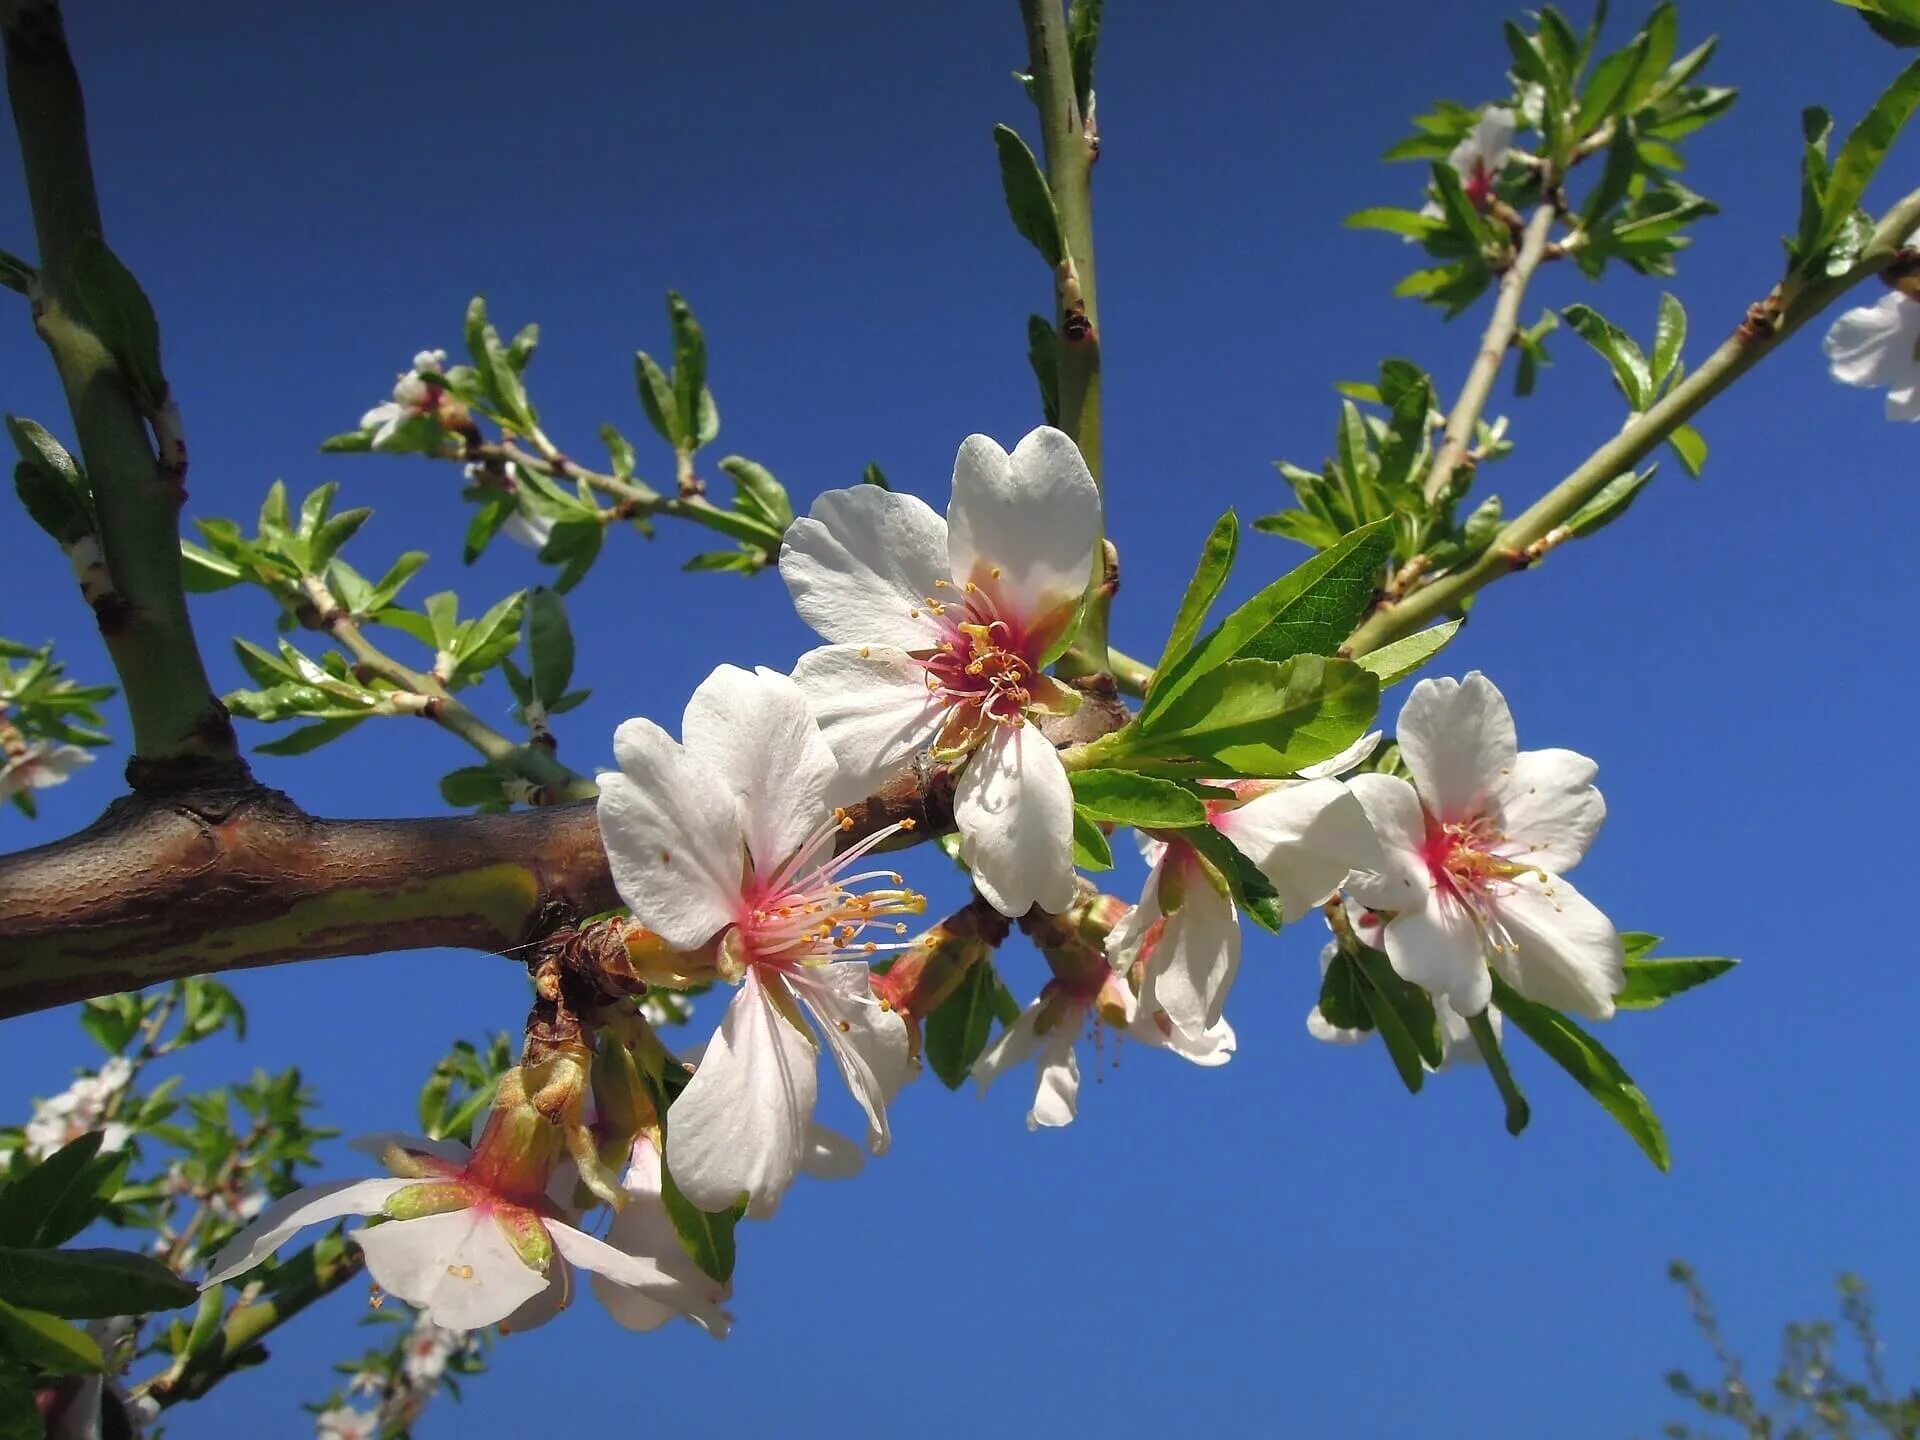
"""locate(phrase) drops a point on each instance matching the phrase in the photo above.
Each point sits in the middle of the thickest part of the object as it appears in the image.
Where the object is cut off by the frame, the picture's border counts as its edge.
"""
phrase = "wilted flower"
(942, 629)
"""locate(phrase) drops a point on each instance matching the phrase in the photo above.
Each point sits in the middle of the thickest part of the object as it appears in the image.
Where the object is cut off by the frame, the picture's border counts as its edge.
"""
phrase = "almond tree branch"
(179, 727)
(1784, 311)
(1494, 344)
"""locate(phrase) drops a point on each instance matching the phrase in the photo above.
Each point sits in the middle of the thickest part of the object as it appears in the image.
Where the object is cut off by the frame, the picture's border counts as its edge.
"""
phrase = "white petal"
(673, 835)
(658, 1270)
(1320, 1028)
(1457, 738)
(1457, 1043)
(1874, 344)
(1015, 1046)
(1190, 968)
(831, 1155)
(1492, 136)
(874, 710)
(1056, 1100)
(868, 1041)
(1548, 809)
(1305, 837)
(861, 562)
(1024, 527)
(757, 733)
(311, 1206)
(1014, 810)
(1339, 764)
(1570, 955)
(537, 1309)
(1438, 947)
(1212, 1047)
(528, 529)
(1125, 940)
(1399, 825)
(456, 1266)
(642, 1227)
(1904, 403)
(741, 1123)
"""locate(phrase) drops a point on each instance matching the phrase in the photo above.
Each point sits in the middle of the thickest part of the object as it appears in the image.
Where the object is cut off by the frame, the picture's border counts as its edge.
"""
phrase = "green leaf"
(1343, 1002)
(760, 495)
(202, 571)
(1590, 1065)
(1410, 1037)
(62, 1195)
(472, 785)
(1029, 201)
(1090, 848)
(1310, 610)
(1259, 717)
(1865, 148)
(307, 737)
(1043, 354)
(1142, 801)
(483, 643)
(122, 317)
(1300, 525)
(1669, 338)
(1463, 216)
(1400, 658)
(1691, 446)
(874, 475)
(1410, 223)
(958, 1030)
(50, 1344)
(1895, 21)
(549, 645)
(16, 274)
(1651, 982)
(90, 1284)
(1216, 560)
(1618, 349)
(330, 536)
(1611, 503)
(656, 397)
(707, 1236)
(1083, 40)
(692, 401)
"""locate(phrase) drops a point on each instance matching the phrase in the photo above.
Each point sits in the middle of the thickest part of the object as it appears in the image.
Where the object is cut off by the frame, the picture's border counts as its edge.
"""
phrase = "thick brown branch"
(211, 881)
(217, 879)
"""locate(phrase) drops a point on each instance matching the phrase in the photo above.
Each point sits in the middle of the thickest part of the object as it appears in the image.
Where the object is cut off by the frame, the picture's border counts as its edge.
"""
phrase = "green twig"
(175, 716)
(1770, 322)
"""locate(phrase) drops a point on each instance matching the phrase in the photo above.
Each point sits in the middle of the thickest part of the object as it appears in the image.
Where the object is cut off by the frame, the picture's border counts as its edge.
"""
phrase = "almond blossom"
(1878, 346)
(1303, 834)
(643, 1228)
(413, 395)
(1479, 158)
(39, 765)
(1475, 851)
(79, 1110)
(725, 841)
(941, 631)
(472, 1239)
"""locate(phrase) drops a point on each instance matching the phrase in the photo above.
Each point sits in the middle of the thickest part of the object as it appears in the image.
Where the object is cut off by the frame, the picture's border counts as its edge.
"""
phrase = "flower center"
(1462, 858)
(982, 659)
(811, 913)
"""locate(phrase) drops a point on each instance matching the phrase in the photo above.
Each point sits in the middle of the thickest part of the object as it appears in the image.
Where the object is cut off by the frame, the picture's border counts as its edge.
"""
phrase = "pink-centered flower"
(727, 839)
(1878, 346)
(941, 631)
(1479, 158)
(472, 1239)
(1304, 835)
(1476, 851)
(413, 395)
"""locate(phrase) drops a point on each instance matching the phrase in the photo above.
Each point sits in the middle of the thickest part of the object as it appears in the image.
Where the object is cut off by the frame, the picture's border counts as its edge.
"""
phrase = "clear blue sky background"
(1288, 1244)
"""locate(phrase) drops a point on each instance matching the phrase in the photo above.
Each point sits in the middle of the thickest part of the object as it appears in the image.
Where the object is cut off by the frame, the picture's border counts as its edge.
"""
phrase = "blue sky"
(1290, 1242)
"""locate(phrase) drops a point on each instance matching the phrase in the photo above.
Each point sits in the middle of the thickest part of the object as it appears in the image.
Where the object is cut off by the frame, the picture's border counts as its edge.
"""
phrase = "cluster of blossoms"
(730, 845)
(424, 1353)
(78, 1110)
(415, 396)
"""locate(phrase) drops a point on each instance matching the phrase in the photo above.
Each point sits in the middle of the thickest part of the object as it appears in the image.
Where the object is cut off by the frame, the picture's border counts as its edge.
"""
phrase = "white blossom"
(40, 765)
(465, 1254)
(413, 395)
(726, 839)
(1878, 346)
(1476, 850)
(78, 1110)
(344, 1423)
(941, 630)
